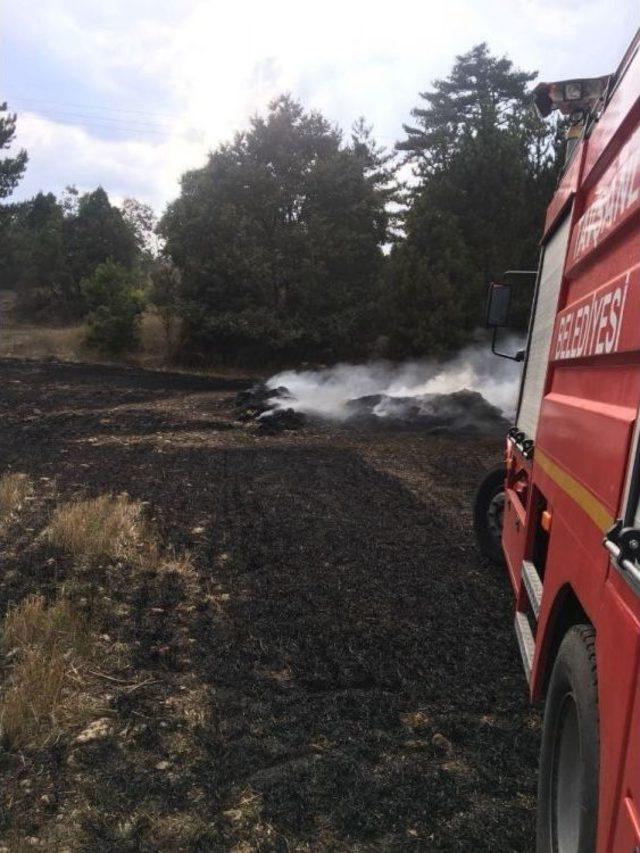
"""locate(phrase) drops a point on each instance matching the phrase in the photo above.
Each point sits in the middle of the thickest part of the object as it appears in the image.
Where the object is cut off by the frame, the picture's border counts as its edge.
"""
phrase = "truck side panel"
(584, 440)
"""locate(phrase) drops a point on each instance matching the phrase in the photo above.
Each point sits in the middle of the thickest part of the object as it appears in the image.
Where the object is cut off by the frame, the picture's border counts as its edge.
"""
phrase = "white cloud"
(64, 154)
(212, 65)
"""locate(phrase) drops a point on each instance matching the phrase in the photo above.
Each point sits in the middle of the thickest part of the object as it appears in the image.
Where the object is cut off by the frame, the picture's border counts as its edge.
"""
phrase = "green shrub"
(115, 305)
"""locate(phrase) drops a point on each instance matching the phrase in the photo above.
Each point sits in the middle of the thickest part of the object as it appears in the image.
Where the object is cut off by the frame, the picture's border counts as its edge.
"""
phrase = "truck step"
(527, 644)
(533, 585)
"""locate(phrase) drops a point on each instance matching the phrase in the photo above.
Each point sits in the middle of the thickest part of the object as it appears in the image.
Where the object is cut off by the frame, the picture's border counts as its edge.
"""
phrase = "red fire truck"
(564, 511)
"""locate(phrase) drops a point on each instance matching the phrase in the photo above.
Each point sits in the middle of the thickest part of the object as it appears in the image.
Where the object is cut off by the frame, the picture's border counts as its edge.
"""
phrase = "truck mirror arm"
(518, 356)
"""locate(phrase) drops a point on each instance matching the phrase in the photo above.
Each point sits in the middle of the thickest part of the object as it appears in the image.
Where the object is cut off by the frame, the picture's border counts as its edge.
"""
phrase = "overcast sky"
(130, 93)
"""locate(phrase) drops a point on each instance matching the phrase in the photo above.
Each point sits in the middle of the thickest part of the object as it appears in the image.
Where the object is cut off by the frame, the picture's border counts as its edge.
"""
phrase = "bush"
(115, 306)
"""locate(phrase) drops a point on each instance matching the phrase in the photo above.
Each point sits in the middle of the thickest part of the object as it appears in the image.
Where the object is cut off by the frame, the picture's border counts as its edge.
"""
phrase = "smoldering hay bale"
(460, 412)
(323, 393)
(266, 407)
(253, 402)
(277, 420)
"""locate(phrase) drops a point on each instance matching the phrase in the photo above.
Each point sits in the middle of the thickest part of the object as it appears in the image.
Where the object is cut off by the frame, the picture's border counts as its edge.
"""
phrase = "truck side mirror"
(498, 301)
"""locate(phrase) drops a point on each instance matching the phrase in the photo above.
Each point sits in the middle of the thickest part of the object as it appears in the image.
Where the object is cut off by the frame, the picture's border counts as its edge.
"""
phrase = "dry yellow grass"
(29, 341)
(182, 564)
(14, 489)
(24, 339)
(47, 644)
(20, 339)
(33, 623)
(68, 343)
(33, 705)
(102, 528)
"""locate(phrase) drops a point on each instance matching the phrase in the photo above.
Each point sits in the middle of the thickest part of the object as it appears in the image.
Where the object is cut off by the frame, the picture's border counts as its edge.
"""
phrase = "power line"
(105, 118)
(103, 121)
(103, 109)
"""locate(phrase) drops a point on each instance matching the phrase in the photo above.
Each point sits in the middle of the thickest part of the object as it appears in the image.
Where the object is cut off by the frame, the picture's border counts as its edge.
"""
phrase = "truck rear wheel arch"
(566, 612)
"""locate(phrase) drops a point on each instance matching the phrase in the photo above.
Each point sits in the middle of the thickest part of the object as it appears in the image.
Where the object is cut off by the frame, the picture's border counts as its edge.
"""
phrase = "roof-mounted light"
(569, 96)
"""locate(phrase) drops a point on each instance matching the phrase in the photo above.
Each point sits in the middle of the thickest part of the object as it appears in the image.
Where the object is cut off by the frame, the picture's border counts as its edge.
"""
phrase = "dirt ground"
(341, 674)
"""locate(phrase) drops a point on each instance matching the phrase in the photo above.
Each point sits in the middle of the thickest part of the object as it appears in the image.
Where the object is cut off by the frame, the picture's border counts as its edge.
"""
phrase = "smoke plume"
(325, 393)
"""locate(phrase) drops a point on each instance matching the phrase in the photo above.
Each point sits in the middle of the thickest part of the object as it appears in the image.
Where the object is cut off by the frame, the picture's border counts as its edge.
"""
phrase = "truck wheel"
(570, 752)
(488, 510)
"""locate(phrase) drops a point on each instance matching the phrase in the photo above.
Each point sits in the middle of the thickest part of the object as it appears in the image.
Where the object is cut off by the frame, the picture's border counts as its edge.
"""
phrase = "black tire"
(488, 507)
(570, 752)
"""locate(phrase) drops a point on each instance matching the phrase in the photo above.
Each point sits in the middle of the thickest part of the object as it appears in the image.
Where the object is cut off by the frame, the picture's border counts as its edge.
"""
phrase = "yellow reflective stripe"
(596, 511)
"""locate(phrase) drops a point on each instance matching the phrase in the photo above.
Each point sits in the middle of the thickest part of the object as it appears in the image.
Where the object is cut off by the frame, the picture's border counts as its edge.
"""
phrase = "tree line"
(295, 242)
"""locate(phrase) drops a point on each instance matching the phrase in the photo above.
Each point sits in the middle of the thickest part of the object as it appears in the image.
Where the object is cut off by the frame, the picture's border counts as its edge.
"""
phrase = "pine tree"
(94, 233)
(486, 165)
(482, 93)
(11, 167)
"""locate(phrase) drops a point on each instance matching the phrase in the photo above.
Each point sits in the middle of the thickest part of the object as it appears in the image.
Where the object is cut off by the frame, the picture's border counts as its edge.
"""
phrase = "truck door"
(544, 315)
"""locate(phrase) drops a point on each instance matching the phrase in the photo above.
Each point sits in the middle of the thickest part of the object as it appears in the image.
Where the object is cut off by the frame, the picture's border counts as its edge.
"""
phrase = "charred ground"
(339, 674)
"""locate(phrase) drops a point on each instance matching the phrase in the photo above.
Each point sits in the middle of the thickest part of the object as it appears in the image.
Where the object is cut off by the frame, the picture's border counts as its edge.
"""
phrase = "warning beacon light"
(569, 96)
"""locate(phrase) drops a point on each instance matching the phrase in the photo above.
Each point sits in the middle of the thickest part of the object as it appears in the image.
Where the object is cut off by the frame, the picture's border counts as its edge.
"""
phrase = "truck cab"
(567, 502)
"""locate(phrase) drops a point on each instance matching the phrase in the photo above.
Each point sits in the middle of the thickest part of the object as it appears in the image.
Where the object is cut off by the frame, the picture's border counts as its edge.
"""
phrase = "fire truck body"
(573, 460)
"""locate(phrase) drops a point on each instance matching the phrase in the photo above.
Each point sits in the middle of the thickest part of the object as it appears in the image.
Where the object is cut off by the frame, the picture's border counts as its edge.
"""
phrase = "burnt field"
(335, 671)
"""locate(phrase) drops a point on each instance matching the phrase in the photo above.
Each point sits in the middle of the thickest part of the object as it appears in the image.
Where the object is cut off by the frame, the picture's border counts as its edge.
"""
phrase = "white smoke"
(326, 392)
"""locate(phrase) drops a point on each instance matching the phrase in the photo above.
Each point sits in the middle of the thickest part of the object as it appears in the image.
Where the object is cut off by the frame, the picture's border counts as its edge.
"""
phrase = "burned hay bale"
(461, 412)
(252, 402)
(264, 406)
(274, 421)
(259, 394)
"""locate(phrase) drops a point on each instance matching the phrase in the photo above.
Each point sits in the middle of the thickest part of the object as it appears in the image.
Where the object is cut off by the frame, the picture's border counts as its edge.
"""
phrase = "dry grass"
(23, 339)
(33, 705)
(68, 343)
(155, 350)
(33, 623)
(20, 339)
(48, 643)
(30, 341)
(102, 528)
(182, 564)
(14, 489)
(180, 831)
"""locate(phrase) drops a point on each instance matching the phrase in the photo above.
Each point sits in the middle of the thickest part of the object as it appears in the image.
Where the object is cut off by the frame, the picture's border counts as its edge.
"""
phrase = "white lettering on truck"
(612, 199)
(593, 328)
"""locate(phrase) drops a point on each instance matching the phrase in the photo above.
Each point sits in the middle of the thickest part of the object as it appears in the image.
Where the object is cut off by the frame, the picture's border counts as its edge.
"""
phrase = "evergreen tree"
(425, 295)
(42, 275)
(486, 165)
(96, 233)
(482, 94)
(115, 306)
(49, 247)
(278, 239)
(11, 167)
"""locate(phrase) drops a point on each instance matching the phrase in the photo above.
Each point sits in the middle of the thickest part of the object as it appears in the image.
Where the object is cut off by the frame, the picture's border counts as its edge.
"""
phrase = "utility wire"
(102, 109)
(100, 121)
(114, 119)
(106, 122)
